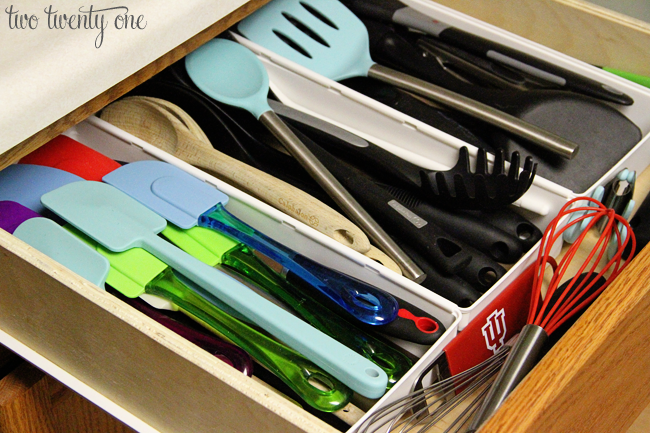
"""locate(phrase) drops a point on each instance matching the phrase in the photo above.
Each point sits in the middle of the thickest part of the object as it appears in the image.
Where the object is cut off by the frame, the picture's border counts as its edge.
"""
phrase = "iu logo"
(494, 330)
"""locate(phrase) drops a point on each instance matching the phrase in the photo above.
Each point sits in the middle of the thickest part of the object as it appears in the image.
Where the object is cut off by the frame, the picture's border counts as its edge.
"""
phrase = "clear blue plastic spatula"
(232, 74)
(119, 223)
(186, 202)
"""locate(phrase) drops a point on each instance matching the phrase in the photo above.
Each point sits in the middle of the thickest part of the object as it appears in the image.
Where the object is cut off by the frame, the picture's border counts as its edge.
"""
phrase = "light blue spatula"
(186, 202)
(118, 222)
(232, 74)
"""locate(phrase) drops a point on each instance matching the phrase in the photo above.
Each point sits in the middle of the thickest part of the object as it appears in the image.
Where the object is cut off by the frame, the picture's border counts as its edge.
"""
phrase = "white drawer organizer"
(124, 147)
(419, 143)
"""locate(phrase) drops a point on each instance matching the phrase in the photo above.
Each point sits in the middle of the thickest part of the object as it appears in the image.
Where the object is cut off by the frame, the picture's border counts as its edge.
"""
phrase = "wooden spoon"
(162, 129)
(373, 253)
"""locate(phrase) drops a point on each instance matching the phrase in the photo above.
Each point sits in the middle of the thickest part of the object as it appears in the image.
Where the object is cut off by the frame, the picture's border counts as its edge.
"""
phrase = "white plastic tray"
(428, 147)
(124, 147)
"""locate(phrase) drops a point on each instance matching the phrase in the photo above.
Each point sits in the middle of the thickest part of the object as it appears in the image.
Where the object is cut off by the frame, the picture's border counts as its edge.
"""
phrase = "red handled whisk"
(561, 302)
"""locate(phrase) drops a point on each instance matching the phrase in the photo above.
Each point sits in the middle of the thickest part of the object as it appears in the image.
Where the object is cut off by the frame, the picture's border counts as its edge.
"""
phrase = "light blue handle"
(352, 369)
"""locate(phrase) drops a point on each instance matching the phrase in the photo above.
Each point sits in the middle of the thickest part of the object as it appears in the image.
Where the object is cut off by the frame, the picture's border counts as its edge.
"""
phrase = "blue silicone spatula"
(187, 202)
(119, 223)
(232, 74)
(26, 183)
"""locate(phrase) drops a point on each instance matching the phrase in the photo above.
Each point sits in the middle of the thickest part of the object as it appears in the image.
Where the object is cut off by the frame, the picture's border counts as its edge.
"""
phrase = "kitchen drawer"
(593, 380)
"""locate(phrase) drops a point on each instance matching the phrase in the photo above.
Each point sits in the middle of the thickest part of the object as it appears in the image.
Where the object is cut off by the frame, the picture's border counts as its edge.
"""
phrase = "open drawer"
(593, 380)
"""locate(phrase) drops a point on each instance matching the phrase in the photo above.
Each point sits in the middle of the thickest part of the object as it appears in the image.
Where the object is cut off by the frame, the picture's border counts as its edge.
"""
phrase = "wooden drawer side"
(129, 358)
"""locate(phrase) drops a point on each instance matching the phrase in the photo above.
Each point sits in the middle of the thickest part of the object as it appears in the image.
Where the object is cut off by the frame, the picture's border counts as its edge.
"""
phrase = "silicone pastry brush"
(363, 301)
(56, 242)
(186, 202)
(216, 249)
(118, 223)
(136, 273)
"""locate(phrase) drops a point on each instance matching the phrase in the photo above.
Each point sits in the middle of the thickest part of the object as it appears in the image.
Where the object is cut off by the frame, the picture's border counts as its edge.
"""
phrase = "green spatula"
(119, 223)
(217, 249)
(136, 273)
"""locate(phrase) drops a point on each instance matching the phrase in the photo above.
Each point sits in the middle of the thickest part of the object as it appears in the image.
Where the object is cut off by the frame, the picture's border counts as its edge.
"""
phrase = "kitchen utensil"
(160, 127)
(399, 13)
(423, 408)
(68, 151)
(186, 202)
(324, 36)
(559, 305)
(228, 353)
(481, 189)
(457, 187)
(13, 214)
(135, 273)
(118, 223)
(26, 183)
(604, 134)
(449, 286)
(230, 73)
(217, 249)
(454, 401)
(66, 154)
(472, 230)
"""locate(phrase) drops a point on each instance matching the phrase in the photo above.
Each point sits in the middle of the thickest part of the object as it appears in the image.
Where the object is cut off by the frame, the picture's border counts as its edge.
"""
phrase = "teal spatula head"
(321, 35)
(167, 190)
(26, 183)
(230, 73)
(105, 214)
(59, 244)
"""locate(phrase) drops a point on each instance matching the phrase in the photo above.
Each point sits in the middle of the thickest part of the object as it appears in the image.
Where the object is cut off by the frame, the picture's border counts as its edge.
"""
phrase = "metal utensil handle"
(340, 195)
(512, 124)
(522, 358)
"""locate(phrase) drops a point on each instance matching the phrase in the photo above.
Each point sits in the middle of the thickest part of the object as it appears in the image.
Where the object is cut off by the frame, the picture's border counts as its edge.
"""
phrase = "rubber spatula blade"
(26, 183)
(64, 153)
(118, 222)
(59, 244)
(13, 214)
(186, 202)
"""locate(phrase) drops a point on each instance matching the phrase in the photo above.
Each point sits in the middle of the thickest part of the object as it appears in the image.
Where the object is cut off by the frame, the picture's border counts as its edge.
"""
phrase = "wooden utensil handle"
(281, 195)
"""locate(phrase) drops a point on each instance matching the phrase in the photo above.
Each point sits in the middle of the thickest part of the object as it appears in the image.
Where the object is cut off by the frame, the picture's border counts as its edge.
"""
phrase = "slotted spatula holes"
(305, 29)
(318, 15)
(287, 40)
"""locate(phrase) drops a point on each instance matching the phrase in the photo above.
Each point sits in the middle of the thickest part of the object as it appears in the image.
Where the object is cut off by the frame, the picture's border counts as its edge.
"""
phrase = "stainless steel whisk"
(421, 409)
